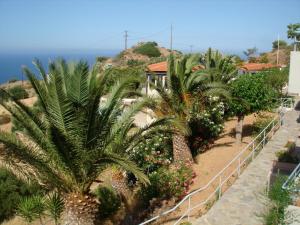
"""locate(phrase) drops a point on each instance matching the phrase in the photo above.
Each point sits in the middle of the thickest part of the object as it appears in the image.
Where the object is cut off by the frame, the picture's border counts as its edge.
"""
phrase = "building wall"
(294, 76)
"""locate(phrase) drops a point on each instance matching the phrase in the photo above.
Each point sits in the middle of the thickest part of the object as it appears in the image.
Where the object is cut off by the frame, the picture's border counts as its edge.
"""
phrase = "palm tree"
(217, 67)
(185, 87)
(66, 148)
(294, 33)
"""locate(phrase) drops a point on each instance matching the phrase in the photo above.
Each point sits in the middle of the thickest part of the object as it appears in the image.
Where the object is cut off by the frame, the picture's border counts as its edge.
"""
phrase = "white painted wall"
(294, 76)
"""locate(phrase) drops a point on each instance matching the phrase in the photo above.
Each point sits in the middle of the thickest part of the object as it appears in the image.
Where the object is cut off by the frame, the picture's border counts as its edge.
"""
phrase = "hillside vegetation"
(142, 53)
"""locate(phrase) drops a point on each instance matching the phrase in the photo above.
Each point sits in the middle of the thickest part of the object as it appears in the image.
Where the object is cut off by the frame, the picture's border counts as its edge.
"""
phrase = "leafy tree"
(250, 52)
(185, 88)
(18, 92)
(282, 44)
(252, 59)
(263, 58)
(149, 49)
(101, 59)
(237, 60)
(250, 94)
(136, 73)
(77, 138)
(276, 78)
(294, 33)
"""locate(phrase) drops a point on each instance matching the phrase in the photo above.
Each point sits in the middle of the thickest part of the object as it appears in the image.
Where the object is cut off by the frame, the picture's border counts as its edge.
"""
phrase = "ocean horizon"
(11, 62)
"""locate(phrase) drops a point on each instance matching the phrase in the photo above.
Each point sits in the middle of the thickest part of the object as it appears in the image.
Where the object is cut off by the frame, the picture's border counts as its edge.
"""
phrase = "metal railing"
(289, 183)
(219, 181)
(287, 103)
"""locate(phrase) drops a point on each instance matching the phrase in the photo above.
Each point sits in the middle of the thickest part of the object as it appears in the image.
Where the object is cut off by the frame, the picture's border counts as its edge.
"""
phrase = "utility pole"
(171, 38)
(191, 48)
(277, 58)
(125, 37)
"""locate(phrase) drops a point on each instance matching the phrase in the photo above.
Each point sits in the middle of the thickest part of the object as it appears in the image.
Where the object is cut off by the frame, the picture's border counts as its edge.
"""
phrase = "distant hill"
(283, 56)
(142, 53)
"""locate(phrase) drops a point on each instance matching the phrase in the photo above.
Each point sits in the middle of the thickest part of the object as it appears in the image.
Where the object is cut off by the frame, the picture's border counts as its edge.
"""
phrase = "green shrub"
(11, 190)
(262, 121)
(287, 155)
(280, 199)
(117, 73)
(185, 223)
(153, 153)
(101, 59)
(167, 183)
(206, 125)
(18, 92)
(110, 202)
(31, 208)
(13, 80)
(134, 62)
(149, 49)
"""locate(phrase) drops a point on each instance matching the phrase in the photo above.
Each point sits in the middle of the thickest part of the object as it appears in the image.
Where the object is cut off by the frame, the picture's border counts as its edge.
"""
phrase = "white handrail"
(277, 121)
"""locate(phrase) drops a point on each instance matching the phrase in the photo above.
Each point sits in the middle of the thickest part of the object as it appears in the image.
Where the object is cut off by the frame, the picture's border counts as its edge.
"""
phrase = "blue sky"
(229, 25)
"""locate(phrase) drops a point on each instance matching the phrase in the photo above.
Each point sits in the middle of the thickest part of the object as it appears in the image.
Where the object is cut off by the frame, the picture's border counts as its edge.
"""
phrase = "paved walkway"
(244, 202)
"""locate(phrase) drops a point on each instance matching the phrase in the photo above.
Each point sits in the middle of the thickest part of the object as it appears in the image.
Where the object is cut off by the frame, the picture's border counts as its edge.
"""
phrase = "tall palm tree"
(217, 67)
(185, 87)
(67, 147)
(293, 32)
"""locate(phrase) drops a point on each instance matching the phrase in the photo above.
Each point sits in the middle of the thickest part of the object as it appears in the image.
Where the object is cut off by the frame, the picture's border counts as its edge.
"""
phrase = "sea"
(11, 63)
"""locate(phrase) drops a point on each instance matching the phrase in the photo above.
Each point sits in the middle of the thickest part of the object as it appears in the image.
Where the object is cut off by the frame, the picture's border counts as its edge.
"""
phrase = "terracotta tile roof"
(163, 67)
(158, 67)
(257, 66)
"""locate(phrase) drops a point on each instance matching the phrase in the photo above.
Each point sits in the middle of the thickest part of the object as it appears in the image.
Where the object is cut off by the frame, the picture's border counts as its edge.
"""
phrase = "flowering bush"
(206, 125)
(167, 183)
(153, 153)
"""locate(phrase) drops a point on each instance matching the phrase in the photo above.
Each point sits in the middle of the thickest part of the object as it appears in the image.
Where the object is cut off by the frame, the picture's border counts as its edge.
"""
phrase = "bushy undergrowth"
(18, 92)
(153, 153)
(11, 190)
(280, 199)
(167, 183)
(288, 155)
(110, 202)
(206, 125)
(261, 122)
(149, 49)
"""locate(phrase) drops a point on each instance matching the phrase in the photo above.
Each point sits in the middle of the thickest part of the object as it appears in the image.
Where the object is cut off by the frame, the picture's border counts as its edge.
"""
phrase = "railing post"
(189, 208)
(239, 168)
(220, 186)
(253, 151)
(264, 140)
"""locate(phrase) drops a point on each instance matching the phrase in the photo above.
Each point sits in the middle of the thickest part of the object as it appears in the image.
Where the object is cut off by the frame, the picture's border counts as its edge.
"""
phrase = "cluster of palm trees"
(66, 144)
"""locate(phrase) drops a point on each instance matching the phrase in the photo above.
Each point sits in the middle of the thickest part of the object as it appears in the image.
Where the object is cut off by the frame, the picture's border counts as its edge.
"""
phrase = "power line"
(149, 35)
(171, 38)
(126, 36)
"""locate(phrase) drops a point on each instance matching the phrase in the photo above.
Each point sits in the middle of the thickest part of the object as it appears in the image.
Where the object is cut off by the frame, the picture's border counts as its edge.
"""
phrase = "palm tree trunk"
(181, 150)
(239, 129)
(79, 209)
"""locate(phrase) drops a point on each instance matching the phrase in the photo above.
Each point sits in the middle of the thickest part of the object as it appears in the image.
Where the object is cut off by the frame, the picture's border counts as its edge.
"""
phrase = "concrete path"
(244, 202)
